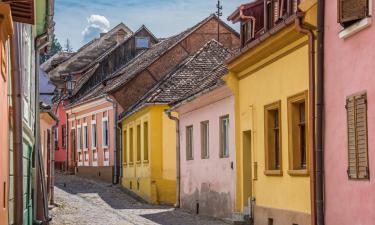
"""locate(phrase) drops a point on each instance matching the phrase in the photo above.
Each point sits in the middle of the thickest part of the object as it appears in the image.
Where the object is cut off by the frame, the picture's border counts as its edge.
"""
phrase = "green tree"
(55, 48)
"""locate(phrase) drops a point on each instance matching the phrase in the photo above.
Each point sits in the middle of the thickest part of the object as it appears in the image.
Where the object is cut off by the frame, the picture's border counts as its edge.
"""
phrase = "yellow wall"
(283, 74)
(157, 177)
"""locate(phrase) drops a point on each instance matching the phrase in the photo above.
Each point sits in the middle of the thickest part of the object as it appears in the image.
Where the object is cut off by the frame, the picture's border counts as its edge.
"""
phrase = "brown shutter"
(350, 10)
(22, 10)
(357, 137)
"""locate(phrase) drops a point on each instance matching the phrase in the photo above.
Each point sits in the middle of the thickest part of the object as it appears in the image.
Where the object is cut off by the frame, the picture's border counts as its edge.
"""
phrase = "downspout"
(319, 151)
(17, 128)
(115, 106)
(119, 129)
(178, 160)
(311, 104)
(243, 17)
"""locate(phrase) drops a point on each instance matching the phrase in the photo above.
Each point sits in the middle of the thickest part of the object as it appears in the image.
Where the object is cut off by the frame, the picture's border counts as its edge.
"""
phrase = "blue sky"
(81, 20)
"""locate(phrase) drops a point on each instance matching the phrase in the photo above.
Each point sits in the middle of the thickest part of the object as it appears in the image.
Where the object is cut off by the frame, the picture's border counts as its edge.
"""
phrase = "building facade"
(208, 152)
(349, 113)
(6, 31)
(271, 82)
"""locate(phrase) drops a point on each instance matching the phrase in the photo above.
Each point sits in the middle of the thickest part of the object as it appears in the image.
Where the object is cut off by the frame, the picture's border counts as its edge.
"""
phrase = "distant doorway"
(247, 174)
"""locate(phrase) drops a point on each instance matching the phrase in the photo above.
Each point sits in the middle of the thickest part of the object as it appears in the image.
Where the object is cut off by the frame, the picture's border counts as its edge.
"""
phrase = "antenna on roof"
(219, 13)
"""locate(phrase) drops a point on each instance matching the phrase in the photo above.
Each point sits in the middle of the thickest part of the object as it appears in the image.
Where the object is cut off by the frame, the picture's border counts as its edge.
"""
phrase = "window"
(189, 143)
(358, 162)
(86, 156)
(145, 141)
(351, 11)
(56, 137)
(85, 137)
(131, 150)
(272, 121)
(139, 157)
(94, 155)
(80, 156)
(79, 137)
(63, 135)
(93, 136)
(297, 122)
(142, 42)
(105, 133)
(125, 146)
(205, 140)
(247, 31)
(224, 136)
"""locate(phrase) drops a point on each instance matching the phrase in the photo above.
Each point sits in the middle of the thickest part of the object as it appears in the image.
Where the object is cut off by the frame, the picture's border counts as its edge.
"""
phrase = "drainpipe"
(17, 128)
(119, 129)
(311, 126)
(243, 17)
(319, 151)
(115, 179)
(178, 160)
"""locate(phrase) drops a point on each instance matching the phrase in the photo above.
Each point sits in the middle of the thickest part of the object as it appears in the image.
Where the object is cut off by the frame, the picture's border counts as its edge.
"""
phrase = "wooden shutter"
(350, 10)
(358, 166)
(22, 10)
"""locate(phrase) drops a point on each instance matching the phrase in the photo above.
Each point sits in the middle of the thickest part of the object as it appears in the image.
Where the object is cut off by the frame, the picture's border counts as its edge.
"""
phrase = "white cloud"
(96, 24)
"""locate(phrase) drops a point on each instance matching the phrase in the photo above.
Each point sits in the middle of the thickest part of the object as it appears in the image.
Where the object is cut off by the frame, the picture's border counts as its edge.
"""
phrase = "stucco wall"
(209, 182)
(349, 69)
(60, 153)
(285, 76)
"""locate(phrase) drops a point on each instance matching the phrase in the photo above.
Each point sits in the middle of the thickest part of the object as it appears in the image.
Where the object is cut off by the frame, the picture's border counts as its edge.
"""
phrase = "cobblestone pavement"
(82, 202)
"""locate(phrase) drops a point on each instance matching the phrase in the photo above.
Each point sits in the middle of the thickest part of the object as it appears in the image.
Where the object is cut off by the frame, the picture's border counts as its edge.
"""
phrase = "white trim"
(79, 137)
(88, 105)
(91, 113)
(355, 28)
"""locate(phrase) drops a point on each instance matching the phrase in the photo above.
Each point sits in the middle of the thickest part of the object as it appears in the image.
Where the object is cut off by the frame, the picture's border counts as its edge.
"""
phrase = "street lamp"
(69, 81)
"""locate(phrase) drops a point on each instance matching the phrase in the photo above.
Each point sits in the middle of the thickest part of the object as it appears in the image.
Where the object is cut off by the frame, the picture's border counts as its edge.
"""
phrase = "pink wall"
(85, 116)
(60, 153)
(211, 181)
(349, 69)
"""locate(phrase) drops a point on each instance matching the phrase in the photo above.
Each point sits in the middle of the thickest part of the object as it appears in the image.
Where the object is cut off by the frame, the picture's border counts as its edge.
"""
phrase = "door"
(247, 171)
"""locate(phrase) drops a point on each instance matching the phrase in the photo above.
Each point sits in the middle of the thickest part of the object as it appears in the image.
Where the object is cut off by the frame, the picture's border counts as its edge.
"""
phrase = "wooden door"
(72, 147)
(247, 170)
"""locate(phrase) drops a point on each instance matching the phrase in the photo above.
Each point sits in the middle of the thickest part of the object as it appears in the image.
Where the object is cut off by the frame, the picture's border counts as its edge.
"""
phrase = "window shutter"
(22, 10)
(350, 10)
(357, 137)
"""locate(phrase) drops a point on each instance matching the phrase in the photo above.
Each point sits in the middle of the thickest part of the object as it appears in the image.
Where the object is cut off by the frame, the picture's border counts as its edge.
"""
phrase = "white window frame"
(79, 137)
(94, 145)
(85, 135)
(103, 132)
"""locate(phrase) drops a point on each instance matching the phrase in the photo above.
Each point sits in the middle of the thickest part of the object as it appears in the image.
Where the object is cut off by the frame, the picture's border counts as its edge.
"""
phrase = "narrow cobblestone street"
(80, 201)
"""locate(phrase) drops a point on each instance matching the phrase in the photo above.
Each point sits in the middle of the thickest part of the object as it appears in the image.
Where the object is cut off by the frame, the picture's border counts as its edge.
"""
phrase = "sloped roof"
(85, 77)
(142, 62)
(199, 71)
(90, 51)
(55, 61)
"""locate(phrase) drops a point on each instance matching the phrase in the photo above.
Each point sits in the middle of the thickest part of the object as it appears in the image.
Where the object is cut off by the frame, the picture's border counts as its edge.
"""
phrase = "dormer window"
(247, 31)
(142, 42)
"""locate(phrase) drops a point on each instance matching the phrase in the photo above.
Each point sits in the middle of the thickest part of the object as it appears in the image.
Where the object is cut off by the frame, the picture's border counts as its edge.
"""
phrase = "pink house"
(208, 175)
(349, 143)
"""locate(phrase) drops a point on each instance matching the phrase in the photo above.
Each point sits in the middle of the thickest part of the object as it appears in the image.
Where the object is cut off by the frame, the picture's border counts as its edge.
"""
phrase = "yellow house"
(149, 158)
(149, 135)
(273, 81)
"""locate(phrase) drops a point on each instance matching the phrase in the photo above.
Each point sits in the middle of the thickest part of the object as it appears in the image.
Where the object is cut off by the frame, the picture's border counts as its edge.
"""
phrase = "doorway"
(247, 170)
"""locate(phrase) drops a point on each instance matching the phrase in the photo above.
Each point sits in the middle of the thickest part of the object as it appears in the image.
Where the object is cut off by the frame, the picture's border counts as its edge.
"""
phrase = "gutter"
(115, 178)
(319, 151)
(178, 159)
(311, 124)
(17, 128)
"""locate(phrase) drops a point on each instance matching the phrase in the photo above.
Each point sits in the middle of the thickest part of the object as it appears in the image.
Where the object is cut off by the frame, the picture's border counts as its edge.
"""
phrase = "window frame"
(105, 145)
(131, 146)
(144, 38)
(294, 150)
(94, 137)
(224, 153)
(63, 135)
(125, 146)
(146, 142)
(139, 143)
(79, 138)
(268, 170)
(85, 135)
(205, 139)
(189, 142)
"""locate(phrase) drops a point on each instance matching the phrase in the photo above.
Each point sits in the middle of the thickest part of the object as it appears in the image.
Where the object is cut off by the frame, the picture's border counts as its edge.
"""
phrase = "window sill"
(224, 156)
(138, 162)
(273, 172)
(146, 162)
(355, 28)
(130, 164)
(298, 172)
